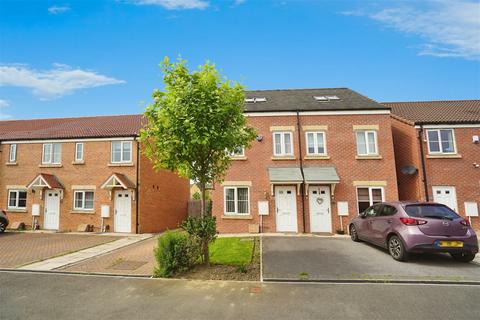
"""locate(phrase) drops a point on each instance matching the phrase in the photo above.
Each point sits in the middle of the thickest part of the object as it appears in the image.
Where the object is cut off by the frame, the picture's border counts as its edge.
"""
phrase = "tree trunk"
(206, 253)
(203, 199)
(206, 257)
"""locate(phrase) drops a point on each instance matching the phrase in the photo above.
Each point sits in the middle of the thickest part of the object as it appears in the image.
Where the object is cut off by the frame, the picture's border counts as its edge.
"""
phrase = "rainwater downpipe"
(302, 188)
(137, 185)
(422, 157)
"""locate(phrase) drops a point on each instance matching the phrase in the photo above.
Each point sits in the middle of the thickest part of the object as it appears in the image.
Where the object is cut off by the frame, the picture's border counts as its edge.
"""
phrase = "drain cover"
(128, 265)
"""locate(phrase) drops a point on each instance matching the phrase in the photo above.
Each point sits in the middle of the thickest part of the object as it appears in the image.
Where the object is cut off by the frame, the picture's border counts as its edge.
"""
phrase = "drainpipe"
(137, 185)
(302, 189)
(422, 157)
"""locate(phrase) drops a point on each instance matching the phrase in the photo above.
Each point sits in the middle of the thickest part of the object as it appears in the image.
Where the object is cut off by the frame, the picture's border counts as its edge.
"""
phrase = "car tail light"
(412, 221)
(465, 222)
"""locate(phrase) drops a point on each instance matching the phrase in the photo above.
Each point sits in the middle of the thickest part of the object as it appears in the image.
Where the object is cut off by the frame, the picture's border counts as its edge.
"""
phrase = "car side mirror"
(362, 215)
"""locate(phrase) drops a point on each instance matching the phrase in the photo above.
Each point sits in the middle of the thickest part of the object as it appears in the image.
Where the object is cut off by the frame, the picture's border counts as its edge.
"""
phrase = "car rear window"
(439, 211)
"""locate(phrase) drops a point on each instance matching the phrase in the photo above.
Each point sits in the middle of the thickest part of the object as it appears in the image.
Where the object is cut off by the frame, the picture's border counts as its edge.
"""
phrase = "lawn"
(231, 251)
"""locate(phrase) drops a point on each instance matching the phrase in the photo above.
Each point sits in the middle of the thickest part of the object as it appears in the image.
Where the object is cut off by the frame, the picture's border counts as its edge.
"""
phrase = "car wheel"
(463, 257)
(397, 249)
(3, 226)
(354, 234)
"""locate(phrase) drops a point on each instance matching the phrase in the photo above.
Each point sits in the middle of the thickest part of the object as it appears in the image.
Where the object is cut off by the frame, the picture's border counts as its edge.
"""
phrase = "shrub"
(176, 252)
(203, 230)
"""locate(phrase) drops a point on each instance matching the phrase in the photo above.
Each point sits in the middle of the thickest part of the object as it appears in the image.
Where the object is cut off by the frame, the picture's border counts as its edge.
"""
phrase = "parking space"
(21, 248)
(315, 258)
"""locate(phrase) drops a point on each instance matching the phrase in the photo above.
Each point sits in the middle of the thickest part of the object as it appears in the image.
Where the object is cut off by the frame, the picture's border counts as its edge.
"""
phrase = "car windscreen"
(435, 211)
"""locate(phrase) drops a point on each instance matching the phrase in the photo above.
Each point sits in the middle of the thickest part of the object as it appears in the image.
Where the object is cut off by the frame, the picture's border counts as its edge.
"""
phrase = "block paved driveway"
(21, 248)
(136, 259)
(315, 258)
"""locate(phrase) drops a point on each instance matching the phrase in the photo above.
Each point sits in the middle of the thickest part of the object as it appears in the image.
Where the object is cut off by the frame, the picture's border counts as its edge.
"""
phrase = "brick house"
(320, 157)
(437, 153)
(73, 171)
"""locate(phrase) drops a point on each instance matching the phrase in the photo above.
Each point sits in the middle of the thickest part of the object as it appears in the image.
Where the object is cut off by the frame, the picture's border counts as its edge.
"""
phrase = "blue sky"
(74, 58)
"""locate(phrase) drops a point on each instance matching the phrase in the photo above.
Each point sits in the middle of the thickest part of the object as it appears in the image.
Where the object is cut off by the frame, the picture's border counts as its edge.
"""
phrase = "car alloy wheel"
(396, 248)
(353, 233)
(2, 226)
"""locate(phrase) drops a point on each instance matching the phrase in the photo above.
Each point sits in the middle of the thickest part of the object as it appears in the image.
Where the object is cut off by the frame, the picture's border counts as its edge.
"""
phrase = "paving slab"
(337, 259)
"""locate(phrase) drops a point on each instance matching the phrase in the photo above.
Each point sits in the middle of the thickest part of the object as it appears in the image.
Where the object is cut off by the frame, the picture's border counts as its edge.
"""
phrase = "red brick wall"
(341, 147)
(163, 198)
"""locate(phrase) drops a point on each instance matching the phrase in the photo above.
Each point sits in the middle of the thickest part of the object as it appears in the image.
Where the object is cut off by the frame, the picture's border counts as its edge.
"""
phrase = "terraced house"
(320, 157)
(437, 151)
(63, 173)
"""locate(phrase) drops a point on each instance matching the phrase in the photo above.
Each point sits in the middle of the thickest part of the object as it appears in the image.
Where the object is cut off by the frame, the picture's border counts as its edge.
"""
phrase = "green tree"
(194, 122)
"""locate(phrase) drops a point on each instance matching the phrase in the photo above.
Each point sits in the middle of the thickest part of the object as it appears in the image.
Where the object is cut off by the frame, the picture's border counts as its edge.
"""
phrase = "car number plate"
(451, 244)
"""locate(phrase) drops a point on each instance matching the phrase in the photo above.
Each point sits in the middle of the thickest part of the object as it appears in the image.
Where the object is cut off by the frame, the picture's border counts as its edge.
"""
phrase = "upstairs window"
(282, 144)
(316, 143)
(83, 200)
(441, 141)
(366, 142)
(236, 200)
(17, 199)
(52, 153)
(78, 152)
(12, 158)
(121, 151)
(238, 152)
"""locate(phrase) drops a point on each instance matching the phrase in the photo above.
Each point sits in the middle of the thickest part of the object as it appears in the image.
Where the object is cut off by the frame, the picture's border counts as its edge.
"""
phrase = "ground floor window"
(17, 199)
(236, 200)
(83, 200)
(368, 196)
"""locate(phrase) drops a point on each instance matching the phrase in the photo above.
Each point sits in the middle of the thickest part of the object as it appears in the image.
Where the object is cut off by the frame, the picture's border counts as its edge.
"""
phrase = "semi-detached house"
(320, 157)
(88, 170)
(437, 153)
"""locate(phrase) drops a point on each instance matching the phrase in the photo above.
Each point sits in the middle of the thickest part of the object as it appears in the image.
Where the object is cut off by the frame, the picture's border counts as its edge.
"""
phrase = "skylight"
(254, 100)
(333, 98)
(326, 98)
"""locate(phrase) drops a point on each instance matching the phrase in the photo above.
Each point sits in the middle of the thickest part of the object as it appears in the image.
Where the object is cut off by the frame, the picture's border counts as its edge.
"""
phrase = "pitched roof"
(49, 180)
(67, 128)
(437, 112)
(303, 100)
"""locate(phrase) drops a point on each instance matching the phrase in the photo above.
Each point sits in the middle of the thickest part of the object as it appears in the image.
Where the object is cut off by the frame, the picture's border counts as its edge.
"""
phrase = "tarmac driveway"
(20, 248)
(316, 258)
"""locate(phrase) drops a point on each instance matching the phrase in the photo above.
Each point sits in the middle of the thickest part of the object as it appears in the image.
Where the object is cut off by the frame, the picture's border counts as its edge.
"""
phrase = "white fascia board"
(317, 113)
(448, 126)
(68, 140)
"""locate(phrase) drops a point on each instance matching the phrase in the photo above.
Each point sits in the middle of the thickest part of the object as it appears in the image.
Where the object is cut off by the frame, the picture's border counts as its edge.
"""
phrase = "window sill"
(50, 166)
(283, 158)
(316, 157)
(11, 164)
(83, 211)
(377, 157)
(237, 217)
(78, 162)
(238, 158)
(129, 164)
(444, 156)
(17, 210)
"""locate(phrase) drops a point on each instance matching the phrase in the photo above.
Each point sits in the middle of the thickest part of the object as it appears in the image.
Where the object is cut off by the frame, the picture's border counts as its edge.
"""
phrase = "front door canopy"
(285, 176)
(118, 180)
(43, 180)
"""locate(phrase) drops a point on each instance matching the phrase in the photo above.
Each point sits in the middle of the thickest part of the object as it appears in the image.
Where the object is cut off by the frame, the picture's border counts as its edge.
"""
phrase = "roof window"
(255, 100)
(326, 98)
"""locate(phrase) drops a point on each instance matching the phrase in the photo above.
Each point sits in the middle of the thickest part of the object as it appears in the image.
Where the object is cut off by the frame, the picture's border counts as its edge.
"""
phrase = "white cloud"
(4, 104)
(175, 4)
(54, 83)
(449, 28)
(239, 2)
(58, 9)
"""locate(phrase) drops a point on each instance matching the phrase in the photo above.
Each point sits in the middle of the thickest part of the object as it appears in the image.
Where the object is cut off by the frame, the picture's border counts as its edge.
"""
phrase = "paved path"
(53, 296)
(137, 259)
(342, 259)
(72, 258)
(20, 248)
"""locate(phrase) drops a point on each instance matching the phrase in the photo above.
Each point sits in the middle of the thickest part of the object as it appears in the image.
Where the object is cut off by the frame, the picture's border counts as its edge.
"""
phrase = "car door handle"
(389, 220)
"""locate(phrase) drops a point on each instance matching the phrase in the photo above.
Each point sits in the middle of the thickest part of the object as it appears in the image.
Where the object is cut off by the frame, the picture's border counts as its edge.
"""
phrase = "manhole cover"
(128, 265)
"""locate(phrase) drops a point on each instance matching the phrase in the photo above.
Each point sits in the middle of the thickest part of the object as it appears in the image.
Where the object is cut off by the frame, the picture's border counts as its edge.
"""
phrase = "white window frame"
(315, 143)
(12, 156)
(370, 196)
(16, 206)
(232, 154)
(440, 141)
(236, 213)
(122, 143)
(282, 143)
(51, 154)
(82, 208)
(78, 144)
(367, 145)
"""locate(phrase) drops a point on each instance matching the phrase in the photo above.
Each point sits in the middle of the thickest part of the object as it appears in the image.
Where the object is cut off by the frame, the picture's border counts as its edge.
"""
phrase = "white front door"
(52, 210)
(446, 196)
(123, 211)
(319, 203)
(286, 209)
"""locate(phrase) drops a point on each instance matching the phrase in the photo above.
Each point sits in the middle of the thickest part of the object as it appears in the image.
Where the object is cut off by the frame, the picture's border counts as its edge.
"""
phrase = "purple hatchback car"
(404, 227)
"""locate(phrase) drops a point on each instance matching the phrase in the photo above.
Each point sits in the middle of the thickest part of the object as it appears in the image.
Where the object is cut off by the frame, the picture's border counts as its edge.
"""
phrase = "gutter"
(301, 168)
(137, 185)
(422, 157)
